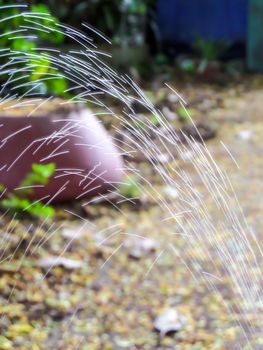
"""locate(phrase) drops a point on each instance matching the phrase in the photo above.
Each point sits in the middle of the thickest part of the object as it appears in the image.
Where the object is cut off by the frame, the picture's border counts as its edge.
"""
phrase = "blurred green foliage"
(121, 20)
(19, 201)
(130, 187)
(209, 50)
(17, 38)
(183, 114)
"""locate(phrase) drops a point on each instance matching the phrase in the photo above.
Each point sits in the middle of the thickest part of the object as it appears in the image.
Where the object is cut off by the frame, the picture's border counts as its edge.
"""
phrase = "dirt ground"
(108, 289)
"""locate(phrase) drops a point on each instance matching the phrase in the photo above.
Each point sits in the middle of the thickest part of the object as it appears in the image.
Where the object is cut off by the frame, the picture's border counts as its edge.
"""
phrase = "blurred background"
(176, 32)
(211, 40)
(111, 290)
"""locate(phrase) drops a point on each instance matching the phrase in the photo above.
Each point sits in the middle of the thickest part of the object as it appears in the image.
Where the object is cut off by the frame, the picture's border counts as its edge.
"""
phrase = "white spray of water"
(93, 81)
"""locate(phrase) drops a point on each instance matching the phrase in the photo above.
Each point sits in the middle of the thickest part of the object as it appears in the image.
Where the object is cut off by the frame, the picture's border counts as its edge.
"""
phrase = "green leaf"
(45, 170)
(41, 66)
(130, 187)
(51, 22)
(22, 45)
(40, 8)
(155, 120)
(209, 50)
(2, 187)
(187, 65)
(161, 59)
(39, 209)
(57, 85)
(32, 179)
(183, 114)
(15, 203)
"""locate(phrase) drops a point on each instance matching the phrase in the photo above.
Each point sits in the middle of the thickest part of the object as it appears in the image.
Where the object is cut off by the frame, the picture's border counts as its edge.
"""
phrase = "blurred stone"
(169, 114)
(245, 135)
(169, 322)
(138, 247)
(53, 261)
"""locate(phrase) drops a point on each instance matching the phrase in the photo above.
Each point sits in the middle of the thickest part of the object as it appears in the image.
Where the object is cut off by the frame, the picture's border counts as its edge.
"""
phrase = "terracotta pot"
(87, 162)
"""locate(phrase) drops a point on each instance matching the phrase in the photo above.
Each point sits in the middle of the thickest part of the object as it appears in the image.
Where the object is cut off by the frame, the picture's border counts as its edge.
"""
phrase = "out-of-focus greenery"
(129, 24)
(209, 50)
(205, 53)
(122, 20)
(130, 187)
(183, 114)
(19, 201)
(17, 38)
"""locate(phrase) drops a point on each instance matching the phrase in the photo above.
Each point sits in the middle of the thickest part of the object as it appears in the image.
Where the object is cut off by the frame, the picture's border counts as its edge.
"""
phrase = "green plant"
(161, 59)
(209, 50)
(155, 120)
(18, 33)
(20, 202)
(186, 65)
(183, 114)
(130, 187)
(124, 21)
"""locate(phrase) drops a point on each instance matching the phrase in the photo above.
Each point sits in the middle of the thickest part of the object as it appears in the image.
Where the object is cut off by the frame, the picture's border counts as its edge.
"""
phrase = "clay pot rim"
(49, 115)
(60, 111)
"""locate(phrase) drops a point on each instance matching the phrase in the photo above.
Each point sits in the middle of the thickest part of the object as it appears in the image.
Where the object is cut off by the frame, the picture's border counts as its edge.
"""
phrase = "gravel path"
(111, 285)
